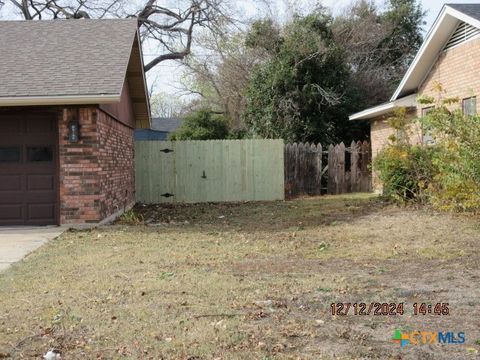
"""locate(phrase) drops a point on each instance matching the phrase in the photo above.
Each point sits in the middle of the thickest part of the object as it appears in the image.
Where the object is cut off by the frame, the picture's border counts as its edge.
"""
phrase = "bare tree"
(360, 33)
(169, 30)
(221, 73)
(78, 9)
(379, 43)
(167, 105)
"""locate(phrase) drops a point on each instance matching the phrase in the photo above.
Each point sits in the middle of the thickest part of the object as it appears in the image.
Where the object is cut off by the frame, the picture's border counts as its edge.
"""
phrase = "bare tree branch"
(175, 55)
(24, 8)
(168, 30)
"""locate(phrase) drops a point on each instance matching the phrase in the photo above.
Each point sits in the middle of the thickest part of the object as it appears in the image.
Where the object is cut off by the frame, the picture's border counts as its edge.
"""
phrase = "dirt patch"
(247, 281)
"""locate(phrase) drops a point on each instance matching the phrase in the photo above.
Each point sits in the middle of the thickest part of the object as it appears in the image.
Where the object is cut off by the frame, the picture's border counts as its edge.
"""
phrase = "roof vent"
(462, 33)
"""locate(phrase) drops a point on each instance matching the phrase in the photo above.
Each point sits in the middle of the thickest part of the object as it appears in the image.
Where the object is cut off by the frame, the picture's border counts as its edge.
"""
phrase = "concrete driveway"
(17, 242)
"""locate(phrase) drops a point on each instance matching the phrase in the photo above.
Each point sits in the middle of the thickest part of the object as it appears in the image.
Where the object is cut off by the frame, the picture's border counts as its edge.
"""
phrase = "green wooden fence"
(209, 171)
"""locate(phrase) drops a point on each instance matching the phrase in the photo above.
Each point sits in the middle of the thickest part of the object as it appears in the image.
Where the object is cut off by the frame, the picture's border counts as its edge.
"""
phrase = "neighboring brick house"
(72, 92)
(450, 56)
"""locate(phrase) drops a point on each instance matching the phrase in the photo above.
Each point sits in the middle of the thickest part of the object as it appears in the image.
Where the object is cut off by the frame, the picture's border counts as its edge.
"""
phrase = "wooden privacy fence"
(313, 170)
(209, 171)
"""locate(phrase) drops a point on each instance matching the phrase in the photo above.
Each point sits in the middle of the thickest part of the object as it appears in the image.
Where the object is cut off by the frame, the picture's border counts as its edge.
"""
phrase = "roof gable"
(138, 86)
(61, 62)
(64, 57)
(439, 35)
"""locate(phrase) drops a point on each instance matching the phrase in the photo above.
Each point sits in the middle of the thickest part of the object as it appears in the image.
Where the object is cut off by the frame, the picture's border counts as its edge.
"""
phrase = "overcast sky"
(168, 73)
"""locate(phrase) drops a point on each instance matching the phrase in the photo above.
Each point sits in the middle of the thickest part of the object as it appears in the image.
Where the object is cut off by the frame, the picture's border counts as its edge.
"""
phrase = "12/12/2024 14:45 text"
(388, 309)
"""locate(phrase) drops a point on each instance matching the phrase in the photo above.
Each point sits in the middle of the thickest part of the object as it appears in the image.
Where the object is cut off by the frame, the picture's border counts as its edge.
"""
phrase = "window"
(39, 154)
(10, 154)
(470, 106)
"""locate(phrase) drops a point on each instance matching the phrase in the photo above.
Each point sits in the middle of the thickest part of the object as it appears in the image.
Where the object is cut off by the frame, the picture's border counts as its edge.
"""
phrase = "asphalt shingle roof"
(166, 124)
(472, 10)
(64, 57)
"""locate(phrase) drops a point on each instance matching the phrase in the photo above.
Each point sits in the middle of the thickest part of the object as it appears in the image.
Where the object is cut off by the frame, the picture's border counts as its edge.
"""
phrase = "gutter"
(58, 100)
(407, 101)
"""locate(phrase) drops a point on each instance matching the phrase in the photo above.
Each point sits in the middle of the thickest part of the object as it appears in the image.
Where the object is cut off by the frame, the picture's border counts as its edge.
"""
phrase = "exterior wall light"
(73, 131)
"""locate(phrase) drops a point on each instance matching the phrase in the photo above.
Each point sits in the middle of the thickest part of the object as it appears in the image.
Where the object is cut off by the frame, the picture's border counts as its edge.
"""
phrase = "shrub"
(202, 125)
(457, 184)
(131, 217)
(447, 174)
(406, 171)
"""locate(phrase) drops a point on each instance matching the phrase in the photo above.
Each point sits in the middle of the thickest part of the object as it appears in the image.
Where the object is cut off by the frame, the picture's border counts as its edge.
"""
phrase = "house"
(72, 92)
(161, 128)
(450, 56)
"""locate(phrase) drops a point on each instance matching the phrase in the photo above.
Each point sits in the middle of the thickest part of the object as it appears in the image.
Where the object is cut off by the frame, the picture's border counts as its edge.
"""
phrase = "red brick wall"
(97, 173)
(116, 160)
(79, 183)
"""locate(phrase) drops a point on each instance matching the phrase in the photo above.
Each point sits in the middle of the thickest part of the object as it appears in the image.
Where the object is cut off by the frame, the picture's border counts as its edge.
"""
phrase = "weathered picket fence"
(313, 170)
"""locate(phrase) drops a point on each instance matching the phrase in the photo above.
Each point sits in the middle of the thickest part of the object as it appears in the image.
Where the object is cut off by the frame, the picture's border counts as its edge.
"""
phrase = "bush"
(406, 171)
(447, 174)
(202, 125)
(457, 184)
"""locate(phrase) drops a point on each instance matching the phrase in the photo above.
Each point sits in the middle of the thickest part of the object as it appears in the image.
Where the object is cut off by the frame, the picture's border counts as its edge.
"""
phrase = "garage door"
(28, 167)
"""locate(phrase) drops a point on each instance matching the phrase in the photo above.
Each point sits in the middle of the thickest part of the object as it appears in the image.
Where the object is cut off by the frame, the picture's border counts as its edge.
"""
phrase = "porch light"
(73, 131)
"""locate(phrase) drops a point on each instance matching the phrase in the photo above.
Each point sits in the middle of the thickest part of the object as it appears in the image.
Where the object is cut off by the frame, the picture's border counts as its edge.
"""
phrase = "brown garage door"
(28, 169)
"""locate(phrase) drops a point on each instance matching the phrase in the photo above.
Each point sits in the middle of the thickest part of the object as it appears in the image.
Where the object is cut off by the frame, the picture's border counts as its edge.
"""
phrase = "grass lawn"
(247, 281)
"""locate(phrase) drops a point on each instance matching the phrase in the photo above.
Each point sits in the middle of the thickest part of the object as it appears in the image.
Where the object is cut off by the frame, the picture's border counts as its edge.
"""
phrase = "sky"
(168, 74)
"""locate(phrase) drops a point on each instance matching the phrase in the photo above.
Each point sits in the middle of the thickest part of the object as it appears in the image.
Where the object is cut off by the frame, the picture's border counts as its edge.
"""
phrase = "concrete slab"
(17, 242)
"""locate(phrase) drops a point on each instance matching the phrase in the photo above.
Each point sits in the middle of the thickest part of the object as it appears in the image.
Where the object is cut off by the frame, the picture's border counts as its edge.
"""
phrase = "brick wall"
(380, 132)
(116, 160)
(79, 183)
(457, 70)
(97, 173)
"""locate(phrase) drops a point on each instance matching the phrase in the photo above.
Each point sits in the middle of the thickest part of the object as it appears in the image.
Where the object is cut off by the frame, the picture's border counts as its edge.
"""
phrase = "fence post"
(302, 149)
(341, 169)
(368, 159)
(353, 167)
(331, 185)
(310, 169)
(364, 166)
(286, 165)
(293, 168)
(319, 168)
(306, 166)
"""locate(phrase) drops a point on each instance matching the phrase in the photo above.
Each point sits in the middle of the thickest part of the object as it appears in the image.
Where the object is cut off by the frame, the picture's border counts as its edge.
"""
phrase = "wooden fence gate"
(209, 171)
(312, 170)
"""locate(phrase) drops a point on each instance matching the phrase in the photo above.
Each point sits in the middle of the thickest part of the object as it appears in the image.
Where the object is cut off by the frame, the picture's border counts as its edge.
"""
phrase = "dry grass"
(245, 281)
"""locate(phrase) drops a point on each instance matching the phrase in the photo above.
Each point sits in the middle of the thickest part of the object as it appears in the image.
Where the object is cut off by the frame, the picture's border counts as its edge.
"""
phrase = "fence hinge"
(167, 195)
(166, 151)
